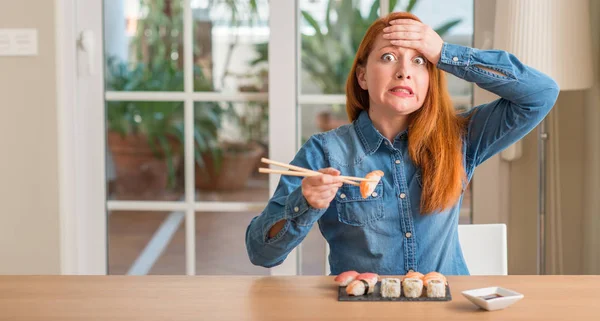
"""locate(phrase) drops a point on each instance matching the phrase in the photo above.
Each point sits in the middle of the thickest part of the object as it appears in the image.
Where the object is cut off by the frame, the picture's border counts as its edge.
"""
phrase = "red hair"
(435, 140)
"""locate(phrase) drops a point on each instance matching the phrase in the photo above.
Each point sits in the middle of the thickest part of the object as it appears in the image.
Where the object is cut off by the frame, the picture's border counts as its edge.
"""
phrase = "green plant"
(328, 51)
(328, 54)
(157, 49)
(160, 122)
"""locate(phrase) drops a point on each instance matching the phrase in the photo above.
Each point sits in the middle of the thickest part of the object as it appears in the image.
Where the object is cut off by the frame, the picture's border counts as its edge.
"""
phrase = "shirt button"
(296, 209)
(397, 161)
(374, 194)
(343, 196)
(402, 195)
(408, 234)
(455, 59)
(386, 143)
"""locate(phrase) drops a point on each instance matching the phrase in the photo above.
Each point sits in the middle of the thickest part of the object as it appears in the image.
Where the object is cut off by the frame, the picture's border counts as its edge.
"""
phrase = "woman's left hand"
(416, 35)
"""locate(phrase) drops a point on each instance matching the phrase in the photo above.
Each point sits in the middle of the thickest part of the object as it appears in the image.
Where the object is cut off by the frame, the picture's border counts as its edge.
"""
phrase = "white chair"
(484, 248)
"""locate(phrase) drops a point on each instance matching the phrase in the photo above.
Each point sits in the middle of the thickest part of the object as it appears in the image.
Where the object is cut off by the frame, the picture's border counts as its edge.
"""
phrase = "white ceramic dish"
(492, 298)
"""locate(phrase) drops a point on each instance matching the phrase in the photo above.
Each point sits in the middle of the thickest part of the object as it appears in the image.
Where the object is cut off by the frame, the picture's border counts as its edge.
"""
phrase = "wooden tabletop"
(277, 298)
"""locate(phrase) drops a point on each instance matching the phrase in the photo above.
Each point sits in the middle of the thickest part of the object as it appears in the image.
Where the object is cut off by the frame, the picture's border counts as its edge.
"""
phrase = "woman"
(403, 123)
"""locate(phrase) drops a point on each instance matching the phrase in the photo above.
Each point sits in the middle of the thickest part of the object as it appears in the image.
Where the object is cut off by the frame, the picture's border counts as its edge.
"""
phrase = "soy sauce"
(491, 296)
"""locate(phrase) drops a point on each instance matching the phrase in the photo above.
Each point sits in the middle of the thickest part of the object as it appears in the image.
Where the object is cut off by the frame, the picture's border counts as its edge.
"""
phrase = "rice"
(390, 288)
(413, 287)
(436, 289)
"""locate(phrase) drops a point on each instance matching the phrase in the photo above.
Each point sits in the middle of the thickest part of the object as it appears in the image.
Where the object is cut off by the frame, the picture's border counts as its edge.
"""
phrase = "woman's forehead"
(382, 45)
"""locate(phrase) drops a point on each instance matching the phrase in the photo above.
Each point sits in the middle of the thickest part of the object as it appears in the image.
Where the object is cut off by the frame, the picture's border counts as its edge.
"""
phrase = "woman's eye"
(420, 60)
(388, 57)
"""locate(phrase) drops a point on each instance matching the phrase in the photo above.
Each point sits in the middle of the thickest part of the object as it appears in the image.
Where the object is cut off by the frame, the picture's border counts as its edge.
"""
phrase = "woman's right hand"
(320, 190)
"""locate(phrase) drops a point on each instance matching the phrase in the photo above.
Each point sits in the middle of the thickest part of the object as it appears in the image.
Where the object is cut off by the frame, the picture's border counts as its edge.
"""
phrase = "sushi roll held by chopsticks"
(367, 184)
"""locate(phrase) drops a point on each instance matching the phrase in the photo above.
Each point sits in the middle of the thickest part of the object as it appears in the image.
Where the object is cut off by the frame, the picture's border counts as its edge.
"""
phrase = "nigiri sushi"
(367, 187)
(360, 287)
(372, 278)
(344, 278)
(364, 283)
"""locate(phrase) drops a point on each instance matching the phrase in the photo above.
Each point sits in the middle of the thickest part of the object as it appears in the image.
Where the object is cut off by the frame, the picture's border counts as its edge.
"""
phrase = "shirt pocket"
(355, 210)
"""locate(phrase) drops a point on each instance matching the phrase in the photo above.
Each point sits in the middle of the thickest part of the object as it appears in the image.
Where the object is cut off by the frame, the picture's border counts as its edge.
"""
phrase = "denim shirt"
(386, 232)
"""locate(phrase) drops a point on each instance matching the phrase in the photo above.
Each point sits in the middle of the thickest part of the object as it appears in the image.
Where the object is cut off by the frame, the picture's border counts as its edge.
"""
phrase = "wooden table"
(277, 298)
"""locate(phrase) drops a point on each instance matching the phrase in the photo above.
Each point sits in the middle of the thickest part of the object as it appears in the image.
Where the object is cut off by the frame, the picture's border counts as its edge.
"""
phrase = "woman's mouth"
(402, 91)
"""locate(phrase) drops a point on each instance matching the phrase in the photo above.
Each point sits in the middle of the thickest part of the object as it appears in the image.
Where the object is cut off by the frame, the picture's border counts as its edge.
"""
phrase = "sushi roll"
(367, 187)
(414, 275)
(413, 287)
(360, 287)
(436, 288)
(434, 276)
(346, 277)
(390, 288)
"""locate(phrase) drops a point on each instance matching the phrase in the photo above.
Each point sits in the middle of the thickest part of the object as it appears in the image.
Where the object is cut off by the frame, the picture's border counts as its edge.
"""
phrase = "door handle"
(87, 44)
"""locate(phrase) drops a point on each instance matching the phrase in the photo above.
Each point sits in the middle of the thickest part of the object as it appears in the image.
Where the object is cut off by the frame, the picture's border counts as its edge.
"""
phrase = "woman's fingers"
(403, 35)
(415, 35)
(328, 177)
(404, 28)
(405, 21)
(323, 188)
(320, 199)
(320, 190)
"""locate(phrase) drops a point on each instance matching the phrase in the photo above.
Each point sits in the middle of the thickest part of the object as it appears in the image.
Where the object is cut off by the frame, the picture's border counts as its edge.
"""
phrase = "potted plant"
(233, 161)
(230, 163)
(144, 138)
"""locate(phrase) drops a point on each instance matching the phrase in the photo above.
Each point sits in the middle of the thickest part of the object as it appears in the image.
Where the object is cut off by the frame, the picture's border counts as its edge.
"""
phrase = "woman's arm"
(527, 96)
(288, 217)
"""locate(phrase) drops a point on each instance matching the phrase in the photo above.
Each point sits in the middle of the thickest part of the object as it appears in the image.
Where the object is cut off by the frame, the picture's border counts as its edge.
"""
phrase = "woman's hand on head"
(416, 35)
(320, 190)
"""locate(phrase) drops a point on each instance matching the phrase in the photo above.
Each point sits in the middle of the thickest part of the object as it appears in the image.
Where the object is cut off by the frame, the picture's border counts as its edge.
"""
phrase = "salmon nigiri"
(372, 278)
(367, 188)
(346, 277)
(363, 284)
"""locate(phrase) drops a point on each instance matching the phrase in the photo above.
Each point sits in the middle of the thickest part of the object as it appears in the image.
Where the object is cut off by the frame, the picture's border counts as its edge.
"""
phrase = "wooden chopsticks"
(303, 172)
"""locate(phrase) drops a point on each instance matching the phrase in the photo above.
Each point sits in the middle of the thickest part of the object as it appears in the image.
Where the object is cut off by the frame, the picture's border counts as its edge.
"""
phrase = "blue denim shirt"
(386, 233)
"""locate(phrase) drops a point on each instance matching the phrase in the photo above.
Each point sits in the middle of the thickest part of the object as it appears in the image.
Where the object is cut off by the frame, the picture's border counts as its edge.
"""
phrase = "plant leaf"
(443, 29)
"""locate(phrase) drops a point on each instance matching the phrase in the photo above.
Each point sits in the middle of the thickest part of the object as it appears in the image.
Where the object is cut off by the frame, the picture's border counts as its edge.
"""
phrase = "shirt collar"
(370, 137)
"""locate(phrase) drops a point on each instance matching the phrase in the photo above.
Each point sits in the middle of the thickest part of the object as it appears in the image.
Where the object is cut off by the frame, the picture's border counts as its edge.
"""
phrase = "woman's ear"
(361, 76)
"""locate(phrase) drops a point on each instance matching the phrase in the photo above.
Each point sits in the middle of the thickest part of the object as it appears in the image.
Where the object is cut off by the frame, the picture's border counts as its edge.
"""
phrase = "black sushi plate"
(376, 296)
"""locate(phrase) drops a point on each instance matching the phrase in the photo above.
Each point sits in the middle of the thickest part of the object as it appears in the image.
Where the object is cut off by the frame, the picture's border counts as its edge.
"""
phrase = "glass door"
(194, 93)
(186, 125)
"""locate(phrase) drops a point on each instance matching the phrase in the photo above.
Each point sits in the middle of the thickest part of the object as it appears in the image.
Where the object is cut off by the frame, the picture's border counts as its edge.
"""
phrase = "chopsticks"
(303, 172)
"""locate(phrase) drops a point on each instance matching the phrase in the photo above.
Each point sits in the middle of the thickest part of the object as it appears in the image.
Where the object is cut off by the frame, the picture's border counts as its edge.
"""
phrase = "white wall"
(29, 223)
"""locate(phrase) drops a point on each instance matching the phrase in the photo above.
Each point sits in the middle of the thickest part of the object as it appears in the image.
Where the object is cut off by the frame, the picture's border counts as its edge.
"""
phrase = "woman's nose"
(402, 75)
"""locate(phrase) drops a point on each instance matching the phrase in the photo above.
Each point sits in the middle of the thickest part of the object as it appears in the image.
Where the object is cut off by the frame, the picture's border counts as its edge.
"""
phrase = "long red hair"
(435, 139)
